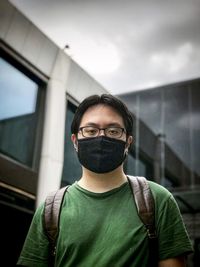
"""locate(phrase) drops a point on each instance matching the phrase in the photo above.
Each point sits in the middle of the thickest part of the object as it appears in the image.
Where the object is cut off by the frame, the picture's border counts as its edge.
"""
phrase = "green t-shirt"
(104, 230)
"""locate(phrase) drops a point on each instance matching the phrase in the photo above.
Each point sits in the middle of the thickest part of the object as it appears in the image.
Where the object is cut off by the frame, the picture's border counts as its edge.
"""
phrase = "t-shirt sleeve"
(173, 239)
(35, 249)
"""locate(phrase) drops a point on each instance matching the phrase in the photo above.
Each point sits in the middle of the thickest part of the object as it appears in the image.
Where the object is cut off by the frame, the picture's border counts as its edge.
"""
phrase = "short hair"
(105, 99)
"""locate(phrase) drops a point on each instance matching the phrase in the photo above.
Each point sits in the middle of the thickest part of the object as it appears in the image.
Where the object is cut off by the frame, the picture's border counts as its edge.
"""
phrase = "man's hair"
(105, 99)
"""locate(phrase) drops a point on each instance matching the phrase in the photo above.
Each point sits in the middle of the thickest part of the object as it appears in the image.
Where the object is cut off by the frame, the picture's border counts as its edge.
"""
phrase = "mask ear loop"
(125, 154)
(76, 146)
(126, 149)
(128, 146)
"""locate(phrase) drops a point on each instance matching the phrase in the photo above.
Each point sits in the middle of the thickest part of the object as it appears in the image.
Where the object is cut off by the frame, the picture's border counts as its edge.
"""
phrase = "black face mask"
(101, 154)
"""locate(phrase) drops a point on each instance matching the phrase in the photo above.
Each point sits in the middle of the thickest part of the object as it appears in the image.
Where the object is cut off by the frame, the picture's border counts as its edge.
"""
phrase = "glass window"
(150, 110)
(167, 139)
(18, 113)
(142, 170)
(177, 128)
(72, 168)
(18, 94)
(21, 120)
(130, 165)
(194, 93)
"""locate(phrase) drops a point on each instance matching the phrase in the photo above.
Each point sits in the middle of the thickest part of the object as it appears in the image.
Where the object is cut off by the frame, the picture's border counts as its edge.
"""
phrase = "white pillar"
(52, 155)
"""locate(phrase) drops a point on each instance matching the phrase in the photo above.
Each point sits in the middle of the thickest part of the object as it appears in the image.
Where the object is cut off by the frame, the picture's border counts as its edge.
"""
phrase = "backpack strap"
(146, 210)
(51, 218)
(145, 203)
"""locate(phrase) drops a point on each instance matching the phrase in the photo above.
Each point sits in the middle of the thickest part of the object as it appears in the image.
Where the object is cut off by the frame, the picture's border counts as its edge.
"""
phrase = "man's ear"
(129, 141)
(75, 142)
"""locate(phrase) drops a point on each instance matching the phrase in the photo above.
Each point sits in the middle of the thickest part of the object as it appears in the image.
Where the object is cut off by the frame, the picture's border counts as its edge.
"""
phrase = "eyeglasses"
(113, 132)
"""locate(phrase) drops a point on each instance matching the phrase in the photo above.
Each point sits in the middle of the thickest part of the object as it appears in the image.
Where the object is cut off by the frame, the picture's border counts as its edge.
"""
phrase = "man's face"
(102, 116)
(101, 155)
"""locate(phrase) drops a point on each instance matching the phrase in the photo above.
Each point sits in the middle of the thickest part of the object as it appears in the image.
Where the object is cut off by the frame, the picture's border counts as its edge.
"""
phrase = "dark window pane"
(72, 168)
(130, 165)
(18, 98)
(150, 110)
(195, 131)
(18, 94)
(177, 122)
(167, 139)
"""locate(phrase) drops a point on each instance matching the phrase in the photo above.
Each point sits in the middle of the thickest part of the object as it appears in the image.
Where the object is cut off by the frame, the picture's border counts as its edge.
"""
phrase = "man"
(99, 224)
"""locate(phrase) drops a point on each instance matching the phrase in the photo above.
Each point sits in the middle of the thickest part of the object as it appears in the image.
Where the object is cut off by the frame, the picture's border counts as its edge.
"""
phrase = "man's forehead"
(100, 112)
(102, 107)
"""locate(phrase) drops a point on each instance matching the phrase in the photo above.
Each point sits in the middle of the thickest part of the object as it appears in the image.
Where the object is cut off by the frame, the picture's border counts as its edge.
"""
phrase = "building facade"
(40, 88)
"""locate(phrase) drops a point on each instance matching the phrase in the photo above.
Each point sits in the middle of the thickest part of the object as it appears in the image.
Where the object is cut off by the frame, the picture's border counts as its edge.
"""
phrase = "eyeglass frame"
(100, 129)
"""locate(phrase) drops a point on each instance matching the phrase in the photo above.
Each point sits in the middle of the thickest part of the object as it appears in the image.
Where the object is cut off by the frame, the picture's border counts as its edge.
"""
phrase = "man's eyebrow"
(91, 124)
(113, 124)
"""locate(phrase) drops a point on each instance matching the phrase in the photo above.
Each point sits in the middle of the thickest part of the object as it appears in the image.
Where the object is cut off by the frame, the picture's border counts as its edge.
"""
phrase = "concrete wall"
(64, 76)
(21, 35)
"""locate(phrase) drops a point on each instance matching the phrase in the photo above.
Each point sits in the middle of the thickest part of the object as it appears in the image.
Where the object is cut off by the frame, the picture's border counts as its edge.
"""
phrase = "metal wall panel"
(81, 84)
(17, 32)
(26, 39)
(47, 57)
(33, 44)
(6, 13)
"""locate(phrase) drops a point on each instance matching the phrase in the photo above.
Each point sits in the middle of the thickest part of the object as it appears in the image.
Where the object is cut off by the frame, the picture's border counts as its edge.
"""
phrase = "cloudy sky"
(126, 45)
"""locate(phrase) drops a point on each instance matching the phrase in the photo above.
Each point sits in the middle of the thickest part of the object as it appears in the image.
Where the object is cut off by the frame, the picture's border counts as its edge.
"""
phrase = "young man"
(99, 223)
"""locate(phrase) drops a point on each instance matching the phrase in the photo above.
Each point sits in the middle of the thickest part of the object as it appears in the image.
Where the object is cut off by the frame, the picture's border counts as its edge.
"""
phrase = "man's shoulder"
(161, 194)
(157, 188)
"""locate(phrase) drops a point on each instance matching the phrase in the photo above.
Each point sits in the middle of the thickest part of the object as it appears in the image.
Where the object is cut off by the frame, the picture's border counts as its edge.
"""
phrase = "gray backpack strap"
(146, 210)
(145, 203)
(51, 218)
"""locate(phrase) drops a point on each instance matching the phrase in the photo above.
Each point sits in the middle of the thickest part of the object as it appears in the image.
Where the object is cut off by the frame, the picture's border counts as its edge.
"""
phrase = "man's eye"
(91, 131)
(113, 132)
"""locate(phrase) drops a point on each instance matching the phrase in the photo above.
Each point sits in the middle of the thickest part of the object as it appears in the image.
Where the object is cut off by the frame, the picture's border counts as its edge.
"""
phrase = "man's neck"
(99, 183)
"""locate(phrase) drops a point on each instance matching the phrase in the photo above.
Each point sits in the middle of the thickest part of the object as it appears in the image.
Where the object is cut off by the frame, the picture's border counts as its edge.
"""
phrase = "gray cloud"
(156, 42)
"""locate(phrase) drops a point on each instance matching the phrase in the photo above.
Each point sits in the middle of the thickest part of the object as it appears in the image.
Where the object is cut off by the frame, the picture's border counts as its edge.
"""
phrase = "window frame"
(12, 172)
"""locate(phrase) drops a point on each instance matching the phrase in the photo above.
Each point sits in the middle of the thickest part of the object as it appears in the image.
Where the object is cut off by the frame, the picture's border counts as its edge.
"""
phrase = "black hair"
(105, 99)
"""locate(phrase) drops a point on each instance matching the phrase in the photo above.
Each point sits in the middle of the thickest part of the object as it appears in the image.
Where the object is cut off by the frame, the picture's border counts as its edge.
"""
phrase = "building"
(167, 148)
(40, 87)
